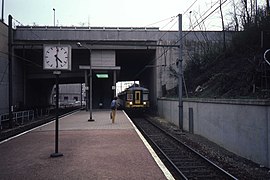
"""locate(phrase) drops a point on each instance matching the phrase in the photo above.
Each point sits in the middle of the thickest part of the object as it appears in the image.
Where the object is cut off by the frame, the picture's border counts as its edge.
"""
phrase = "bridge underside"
(37, 84)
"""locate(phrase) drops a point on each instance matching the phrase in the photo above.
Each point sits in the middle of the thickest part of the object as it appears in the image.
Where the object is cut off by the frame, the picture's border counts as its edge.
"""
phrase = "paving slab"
(92, 150)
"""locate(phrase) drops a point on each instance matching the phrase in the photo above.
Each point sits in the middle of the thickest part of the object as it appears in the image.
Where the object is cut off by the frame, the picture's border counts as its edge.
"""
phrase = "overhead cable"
(185, 34)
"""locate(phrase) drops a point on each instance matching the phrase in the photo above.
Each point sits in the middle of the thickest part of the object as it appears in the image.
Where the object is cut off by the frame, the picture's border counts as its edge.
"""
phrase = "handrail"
(18, 117)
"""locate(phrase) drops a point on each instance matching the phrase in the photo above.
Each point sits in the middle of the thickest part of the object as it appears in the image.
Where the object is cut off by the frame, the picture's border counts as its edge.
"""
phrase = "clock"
(57, 57)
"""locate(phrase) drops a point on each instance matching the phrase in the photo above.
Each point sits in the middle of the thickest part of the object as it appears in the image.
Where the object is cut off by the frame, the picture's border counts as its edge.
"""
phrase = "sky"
(115, 13)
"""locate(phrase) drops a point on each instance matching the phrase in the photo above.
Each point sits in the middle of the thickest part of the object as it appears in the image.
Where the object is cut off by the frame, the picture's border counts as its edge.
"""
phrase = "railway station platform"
(91, 150)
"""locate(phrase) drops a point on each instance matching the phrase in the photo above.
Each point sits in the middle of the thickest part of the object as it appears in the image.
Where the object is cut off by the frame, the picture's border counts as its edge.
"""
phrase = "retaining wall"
(3, 68)
(240, 126)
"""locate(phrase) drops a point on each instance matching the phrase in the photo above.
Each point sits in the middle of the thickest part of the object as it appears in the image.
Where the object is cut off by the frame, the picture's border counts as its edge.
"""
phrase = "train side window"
(129, 97)
(145, 97)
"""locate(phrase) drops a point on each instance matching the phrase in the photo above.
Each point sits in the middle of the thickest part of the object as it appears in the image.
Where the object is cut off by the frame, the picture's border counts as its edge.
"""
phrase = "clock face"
(56, 57)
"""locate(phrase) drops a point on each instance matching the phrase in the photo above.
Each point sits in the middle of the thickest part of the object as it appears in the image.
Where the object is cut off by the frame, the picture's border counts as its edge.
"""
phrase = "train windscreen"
(137, 97)
(145, 97)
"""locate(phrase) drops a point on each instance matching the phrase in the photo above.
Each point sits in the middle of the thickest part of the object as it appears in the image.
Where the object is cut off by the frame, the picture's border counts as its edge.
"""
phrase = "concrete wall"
(103, 58)
(3, 68)
(18, 78)
(240, 126)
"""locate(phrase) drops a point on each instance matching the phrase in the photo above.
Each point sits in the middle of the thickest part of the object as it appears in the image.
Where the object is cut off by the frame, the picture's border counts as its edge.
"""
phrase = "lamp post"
(2, 11)
(10, 70)
(180, 77)
(90, 81)
(56, 153)
(53, 17)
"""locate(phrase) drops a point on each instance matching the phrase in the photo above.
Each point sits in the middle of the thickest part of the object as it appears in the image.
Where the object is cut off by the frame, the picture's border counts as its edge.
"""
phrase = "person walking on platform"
(113, 108)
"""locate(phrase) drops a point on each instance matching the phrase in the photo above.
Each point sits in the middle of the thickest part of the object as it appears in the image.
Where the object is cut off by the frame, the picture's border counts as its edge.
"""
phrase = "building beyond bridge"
(144, 54)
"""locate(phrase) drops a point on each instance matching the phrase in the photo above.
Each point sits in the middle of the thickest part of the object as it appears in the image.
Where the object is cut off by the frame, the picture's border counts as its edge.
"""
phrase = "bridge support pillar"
(114, 82)
(86, 91)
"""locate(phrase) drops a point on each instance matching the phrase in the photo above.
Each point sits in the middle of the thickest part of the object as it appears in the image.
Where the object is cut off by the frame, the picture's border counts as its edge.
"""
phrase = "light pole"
(56, 153)
(90, 81)
(180, 76)
(53, 17)
(2, 11)
(10, 70)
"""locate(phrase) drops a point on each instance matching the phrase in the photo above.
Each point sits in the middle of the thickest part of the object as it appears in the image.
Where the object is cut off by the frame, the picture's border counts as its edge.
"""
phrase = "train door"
(137, 97)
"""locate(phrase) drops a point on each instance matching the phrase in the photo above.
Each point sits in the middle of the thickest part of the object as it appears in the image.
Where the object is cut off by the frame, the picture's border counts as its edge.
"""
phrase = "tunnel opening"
(137, 65)
(134, 63)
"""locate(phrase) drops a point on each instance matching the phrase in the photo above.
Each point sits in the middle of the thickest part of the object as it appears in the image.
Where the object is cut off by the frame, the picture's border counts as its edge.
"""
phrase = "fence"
(19, 118)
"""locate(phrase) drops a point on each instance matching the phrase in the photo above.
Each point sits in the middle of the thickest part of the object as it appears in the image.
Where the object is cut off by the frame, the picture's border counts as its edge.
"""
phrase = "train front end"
(137, 98)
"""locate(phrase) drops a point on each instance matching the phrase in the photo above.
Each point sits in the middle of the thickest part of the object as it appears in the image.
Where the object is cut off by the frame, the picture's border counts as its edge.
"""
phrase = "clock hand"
(56, 60)
(56, 56)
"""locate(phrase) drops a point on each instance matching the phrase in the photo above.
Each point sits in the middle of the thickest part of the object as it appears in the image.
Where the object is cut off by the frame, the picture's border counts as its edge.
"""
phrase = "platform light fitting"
(79, 44)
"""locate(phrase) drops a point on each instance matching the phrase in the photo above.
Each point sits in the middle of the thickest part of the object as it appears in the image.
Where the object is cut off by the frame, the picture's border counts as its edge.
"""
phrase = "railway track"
(184, 162)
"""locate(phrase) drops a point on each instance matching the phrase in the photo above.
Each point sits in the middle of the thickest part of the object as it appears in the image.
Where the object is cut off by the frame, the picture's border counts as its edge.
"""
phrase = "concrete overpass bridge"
(122, 53)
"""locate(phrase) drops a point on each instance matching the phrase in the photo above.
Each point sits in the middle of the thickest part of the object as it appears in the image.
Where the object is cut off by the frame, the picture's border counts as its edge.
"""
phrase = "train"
(134, 98)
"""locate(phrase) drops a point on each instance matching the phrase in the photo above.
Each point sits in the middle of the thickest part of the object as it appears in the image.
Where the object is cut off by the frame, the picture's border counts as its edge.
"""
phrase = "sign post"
(56, 153)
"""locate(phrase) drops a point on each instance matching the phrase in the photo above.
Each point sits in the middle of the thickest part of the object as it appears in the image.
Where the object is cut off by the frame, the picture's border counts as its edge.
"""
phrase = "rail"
(87, 28)
(18, 117)
(185, 161)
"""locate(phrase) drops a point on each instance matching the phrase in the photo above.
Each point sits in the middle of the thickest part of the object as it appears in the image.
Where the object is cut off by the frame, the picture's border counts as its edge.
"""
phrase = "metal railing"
(19, 118)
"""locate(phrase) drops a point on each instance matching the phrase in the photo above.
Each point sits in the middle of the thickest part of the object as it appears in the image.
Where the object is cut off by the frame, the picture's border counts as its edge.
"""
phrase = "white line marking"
(25, 132)
(164, 169)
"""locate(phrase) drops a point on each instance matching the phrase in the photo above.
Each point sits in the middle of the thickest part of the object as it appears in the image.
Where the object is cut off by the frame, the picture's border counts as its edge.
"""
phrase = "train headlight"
(144, 103)
(130, 103)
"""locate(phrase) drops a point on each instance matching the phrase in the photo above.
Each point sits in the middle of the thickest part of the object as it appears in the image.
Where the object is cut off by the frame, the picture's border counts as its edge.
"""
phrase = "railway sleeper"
(182, 160)
(204, 177)
(190, 162)
(185, 165)
(193, 167)
(198, 174)
(176, 151)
